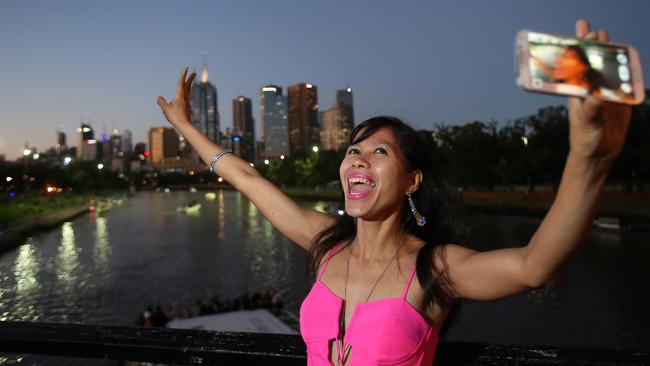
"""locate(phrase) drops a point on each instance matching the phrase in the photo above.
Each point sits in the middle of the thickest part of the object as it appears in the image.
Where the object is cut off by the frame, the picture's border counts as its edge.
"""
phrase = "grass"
(24, 207)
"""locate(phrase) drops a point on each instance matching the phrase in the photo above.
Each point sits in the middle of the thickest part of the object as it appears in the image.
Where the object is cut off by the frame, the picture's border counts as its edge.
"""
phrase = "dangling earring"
(421, 220)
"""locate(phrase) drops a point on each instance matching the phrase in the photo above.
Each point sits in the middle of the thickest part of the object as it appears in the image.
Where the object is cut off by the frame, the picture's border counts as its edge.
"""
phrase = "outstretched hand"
(178, 111)
(597, 128)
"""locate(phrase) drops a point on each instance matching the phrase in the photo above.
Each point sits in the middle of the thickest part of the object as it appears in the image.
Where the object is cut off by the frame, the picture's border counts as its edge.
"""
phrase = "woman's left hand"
(597, 128)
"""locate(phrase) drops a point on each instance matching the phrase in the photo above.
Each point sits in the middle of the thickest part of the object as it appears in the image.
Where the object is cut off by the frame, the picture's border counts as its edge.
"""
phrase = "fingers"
(188, 83)
(181, 81)
(603, 36)
(582, 28)
(162, 102)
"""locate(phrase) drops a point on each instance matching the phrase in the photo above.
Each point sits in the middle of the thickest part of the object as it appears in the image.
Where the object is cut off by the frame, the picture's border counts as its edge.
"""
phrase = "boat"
(249, 321)
(607, 223)
(191, 207)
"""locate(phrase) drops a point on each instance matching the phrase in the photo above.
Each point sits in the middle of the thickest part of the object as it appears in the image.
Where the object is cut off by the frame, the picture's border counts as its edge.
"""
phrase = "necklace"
(343, 349)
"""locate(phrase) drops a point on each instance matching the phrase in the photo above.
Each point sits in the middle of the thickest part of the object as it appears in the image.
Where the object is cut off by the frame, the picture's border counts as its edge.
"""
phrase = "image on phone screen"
(576, 67)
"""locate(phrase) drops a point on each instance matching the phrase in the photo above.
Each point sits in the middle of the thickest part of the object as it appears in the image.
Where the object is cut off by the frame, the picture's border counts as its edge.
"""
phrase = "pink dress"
(387, 331)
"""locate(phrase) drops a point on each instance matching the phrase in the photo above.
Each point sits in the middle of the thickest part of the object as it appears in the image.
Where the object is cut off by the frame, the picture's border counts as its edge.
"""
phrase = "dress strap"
(408, 284)
(329, 256)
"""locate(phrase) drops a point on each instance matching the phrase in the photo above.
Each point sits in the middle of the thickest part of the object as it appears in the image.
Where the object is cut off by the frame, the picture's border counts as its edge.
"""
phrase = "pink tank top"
(387, 331)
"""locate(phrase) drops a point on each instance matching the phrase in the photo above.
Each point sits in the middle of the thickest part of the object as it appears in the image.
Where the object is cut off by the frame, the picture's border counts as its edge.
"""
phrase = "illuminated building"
(244, 126)
(303, 117)
(274, 122)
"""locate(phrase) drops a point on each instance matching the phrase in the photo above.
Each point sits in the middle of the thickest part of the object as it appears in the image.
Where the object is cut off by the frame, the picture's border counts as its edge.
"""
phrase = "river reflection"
(106, 269)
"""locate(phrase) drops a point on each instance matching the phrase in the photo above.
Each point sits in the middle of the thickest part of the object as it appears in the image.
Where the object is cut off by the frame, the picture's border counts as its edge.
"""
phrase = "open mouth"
(359, 186)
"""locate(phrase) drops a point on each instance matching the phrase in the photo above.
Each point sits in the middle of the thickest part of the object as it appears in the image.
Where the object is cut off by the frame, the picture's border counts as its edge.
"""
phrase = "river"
(105, 269)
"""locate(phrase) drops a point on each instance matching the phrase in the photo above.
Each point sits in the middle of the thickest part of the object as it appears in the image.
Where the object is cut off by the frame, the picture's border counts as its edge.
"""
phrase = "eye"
(381, 150)
(353, 150)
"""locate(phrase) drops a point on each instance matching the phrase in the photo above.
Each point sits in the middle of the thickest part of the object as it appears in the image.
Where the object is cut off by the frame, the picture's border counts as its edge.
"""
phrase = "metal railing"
(197, 347)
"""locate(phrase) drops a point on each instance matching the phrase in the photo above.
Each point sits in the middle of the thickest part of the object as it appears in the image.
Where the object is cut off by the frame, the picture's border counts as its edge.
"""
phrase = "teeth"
(360, 180)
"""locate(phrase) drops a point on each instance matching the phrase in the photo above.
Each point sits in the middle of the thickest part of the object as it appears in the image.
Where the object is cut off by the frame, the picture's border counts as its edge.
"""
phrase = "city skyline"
(426, 63)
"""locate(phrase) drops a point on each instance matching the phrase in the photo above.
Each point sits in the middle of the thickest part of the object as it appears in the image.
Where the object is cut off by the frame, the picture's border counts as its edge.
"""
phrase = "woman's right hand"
(178, 112)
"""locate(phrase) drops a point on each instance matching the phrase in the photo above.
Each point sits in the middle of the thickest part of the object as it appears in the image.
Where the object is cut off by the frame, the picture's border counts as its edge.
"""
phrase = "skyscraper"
(274, 123)
(337, 122)
(127, 140)
(205, 112)
(244, 125)
(346, 104)
(61, 146)
(303, 117)
(163, 144)
(86, 144)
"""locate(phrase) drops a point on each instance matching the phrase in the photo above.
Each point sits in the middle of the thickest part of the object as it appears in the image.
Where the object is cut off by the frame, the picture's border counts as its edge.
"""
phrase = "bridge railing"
(198, 347)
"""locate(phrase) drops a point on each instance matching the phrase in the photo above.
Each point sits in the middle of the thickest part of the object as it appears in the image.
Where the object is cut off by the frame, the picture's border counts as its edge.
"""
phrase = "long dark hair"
(594, 78)
(432, 201)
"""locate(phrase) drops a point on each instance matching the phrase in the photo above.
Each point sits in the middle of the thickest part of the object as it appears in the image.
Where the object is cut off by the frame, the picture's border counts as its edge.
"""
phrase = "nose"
(360, 162)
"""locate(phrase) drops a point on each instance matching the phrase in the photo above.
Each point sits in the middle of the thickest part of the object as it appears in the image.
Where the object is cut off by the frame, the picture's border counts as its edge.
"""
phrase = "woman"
(367, 305)
(572, 67)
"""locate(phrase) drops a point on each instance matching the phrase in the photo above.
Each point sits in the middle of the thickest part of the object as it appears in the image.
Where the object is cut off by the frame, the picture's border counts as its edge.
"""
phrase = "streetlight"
(314, 149)
(524, 139)
(27, 152)
(100, 166)
(281, 157)
(67, 160)
(35, 156)
(9, 179)
(266, 161)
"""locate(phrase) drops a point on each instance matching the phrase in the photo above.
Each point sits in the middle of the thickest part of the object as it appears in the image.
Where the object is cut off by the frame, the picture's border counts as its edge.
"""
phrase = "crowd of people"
(160, 315)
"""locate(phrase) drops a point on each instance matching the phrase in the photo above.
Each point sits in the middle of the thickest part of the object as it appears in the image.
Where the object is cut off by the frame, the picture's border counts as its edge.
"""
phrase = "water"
(107, 269)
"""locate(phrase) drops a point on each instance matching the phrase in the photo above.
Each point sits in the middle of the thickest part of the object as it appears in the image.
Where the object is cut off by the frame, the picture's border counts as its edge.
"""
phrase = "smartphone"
(554, 64)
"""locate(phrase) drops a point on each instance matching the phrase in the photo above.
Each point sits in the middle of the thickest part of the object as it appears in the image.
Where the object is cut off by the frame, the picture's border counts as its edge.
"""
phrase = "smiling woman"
(388, 271)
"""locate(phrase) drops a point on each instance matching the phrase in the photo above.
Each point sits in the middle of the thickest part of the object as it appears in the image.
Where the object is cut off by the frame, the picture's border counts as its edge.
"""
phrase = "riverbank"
(24, 217)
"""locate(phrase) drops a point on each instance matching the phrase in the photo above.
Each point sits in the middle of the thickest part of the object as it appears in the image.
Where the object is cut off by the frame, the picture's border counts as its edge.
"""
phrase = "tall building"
(61, 146)
(163, 145)
(87, 147)
(346, 105)
(205, 112)
(274, 123)
(127, 141)
(244, 126)
(337, 122)
(303, 117)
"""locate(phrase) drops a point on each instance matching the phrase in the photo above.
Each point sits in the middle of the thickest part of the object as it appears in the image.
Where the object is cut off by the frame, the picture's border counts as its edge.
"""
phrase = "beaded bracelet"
(216, 157)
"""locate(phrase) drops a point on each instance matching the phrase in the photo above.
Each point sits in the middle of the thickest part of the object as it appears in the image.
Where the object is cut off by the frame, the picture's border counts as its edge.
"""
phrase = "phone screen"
(575, 67)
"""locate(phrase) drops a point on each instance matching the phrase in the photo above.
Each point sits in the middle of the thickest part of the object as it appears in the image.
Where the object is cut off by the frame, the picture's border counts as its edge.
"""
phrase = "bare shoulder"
(450, 254)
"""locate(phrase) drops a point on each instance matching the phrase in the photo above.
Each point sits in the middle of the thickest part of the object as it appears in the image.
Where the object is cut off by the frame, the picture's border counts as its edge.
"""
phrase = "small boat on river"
(191, 207)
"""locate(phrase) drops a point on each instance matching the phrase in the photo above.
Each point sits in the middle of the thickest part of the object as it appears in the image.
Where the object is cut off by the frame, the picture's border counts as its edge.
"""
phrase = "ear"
(414, 181)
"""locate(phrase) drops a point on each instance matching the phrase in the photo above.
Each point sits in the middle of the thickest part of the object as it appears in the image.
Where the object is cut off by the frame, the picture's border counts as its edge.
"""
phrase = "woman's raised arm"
(297, 223)
(597, 132)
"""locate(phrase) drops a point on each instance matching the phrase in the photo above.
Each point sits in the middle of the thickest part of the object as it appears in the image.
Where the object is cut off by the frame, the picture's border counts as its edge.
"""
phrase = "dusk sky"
(424, 61)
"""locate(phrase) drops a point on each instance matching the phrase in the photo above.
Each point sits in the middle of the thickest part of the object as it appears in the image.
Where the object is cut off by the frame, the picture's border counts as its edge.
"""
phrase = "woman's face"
(569, 67)
(374, 177)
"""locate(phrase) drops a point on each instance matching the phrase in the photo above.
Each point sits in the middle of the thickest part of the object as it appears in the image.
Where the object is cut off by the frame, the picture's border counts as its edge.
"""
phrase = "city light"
(91, 141)
(281, 157)
(50, 189)
(86, 129)
(524, 139)
(251, 164)
(220, 180)
(308, 86)
(9, 179)
(100, 166)
(67, 160)
(35, 156)
(349, 90)
(341, 212)
(269, 89)
(27, 152)
(191, 172)
(266, 161)
(314, 149)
